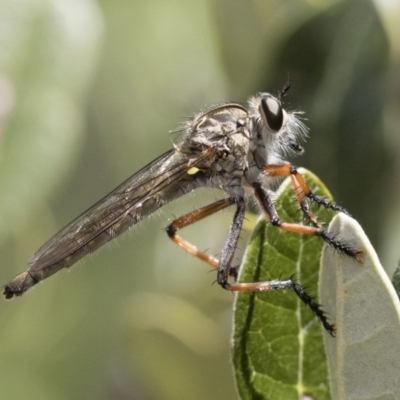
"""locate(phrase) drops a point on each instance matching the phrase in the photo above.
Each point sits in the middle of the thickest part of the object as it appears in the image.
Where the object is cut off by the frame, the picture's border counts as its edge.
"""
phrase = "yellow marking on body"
(193, 171)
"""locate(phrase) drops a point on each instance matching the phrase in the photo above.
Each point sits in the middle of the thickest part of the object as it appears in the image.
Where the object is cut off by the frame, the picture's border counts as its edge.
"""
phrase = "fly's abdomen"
(39, 271)
(72, 246)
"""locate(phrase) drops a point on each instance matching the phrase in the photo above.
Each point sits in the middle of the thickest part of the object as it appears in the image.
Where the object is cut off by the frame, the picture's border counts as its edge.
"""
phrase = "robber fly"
(226, 146)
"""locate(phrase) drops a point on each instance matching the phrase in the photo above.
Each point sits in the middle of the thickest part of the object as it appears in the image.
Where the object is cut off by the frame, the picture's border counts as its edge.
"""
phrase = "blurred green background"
(88, 93)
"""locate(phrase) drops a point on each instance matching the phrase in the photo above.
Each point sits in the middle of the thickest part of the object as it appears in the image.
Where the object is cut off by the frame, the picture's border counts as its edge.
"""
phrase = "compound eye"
(272, 113)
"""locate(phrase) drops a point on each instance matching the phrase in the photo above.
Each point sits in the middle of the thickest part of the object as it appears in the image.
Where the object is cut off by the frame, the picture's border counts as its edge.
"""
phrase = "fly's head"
(277, 132)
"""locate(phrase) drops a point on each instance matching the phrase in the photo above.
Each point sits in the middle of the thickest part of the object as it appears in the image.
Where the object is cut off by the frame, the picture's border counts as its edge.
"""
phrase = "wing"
(163, 180)
(159, 182)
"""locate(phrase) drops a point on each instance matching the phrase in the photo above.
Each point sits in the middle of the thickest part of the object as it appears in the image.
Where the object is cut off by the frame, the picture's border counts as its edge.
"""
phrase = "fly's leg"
(191, 218)
(225, 262)
(302, 190)
(289, 170)
(288, 284)
(269, 210)
(224, 269)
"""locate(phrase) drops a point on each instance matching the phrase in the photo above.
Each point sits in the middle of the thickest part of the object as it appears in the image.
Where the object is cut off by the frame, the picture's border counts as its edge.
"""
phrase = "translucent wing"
(160, 182)
(130, 202)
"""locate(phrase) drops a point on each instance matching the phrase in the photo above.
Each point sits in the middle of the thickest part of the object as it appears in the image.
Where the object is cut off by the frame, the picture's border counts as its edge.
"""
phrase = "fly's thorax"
(230, 160)
(221, 130)
(230, 143)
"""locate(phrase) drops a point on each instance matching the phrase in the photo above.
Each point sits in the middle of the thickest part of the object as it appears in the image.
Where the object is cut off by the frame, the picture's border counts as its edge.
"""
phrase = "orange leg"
(302, 189)
(224, 264)
(286, 285)
(191, 218)
(317, 230)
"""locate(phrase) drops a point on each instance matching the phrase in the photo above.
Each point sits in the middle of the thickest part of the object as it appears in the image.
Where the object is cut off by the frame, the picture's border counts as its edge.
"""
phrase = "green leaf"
(277, 343)
(364, 360)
